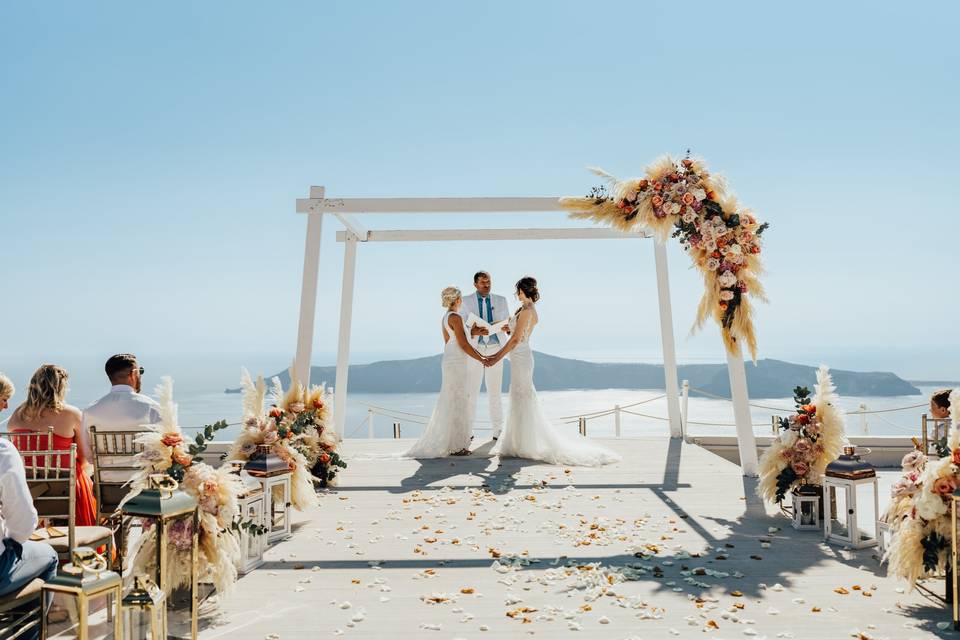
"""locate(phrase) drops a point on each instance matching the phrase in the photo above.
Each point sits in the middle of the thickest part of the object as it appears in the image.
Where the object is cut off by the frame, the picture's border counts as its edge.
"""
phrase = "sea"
(200, 383)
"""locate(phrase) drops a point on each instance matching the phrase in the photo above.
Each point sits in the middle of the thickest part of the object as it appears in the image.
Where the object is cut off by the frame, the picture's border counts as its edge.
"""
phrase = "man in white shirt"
(22, 559)
(123, 409)
(492, 308)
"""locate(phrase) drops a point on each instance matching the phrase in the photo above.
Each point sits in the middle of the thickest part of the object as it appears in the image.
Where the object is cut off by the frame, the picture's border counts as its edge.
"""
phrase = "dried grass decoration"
(685, 201)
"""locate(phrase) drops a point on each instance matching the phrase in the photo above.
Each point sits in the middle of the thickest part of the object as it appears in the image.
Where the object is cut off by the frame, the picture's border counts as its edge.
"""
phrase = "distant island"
(766, 379)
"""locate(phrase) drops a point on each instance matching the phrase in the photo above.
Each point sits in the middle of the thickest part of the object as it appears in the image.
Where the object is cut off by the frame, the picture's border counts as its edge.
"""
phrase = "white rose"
(727, 279)
(699, 194)
(689, 216)
(789, 438)
(735, 249)
(710, 245)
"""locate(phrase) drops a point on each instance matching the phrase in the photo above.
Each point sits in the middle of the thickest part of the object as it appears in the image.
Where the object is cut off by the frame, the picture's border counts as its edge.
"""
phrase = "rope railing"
(792, 409)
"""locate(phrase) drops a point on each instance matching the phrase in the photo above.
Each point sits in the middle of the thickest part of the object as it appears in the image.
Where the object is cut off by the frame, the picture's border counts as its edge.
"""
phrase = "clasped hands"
(489, 361)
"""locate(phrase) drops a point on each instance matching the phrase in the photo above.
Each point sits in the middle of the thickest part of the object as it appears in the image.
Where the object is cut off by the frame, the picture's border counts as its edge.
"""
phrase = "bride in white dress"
(528, 433)
(451, 424)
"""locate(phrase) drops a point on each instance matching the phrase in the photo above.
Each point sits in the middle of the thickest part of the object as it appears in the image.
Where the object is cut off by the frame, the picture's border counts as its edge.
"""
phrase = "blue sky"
(150, 158)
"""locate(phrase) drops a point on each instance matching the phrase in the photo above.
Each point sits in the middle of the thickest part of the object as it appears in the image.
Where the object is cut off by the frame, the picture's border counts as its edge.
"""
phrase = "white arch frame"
(356, 233)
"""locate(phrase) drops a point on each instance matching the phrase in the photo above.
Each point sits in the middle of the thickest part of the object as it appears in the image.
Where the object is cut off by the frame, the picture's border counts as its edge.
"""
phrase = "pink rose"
(813, 429)
(297, 407)
(903, 488)
(800, 468)
(271, 437)
(913, 460)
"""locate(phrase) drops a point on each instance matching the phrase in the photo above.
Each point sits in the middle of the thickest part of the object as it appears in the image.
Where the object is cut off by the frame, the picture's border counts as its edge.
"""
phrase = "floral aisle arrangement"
(166, 451)
(809, 440)
(919, 512)
(297, 427)
(722, 237)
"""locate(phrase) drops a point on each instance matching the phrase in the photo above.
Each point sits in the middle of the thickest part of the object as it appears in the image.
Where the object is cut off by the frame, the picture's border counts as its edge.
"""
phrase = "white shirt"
(18, 516)
(500, 310)
(123, 409)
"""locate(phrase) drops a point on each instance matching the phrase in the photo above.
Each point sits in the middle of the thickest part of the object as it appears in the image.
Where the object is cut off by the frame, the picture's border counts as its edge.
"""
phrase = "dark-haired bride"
(528, 432)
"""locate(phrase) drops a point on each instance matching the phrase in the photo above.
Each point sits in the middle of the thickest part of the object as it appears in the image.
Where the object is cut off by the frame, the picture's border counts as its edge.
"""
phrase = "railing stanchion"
(616, 420)
(863, 420)
(370, 423)
(396, 429)
(683, 413)
(583, 426)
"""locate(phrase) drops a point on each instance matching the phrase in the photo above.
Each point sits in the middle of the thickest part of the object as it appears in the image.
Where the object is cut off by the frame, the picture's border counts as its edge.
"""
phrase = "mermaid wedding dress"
(451, 423)
(528, 432)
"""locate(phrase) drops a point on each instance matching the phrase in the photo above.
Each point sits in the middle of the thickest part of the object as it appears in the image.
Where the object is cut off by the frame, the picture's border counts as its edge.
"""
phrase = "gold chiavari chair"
(113, 465)
(52, 479)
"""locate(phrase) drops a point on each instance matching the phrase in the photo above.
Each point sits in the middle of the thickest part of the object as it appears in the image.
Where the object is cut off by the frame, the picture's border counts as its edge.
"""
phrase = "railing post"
(583, 426)
(863, 420)
(683, 413)
(616, 420)
(396, 429)
(370, 415)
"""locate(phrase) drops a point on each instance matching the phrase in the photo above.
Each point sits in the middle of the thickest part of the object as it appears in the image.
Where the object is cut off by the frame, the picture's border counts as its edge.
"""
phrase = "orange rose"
(687, 162)
(171, 439)
(809, 408)
(688, 199)
(275, 412)
(181, 458)
(711, 195)
(643, 184)
(956, 456)
(803, 419)
(754, 249)
(944, 486)
(658, 186)
(324, 458)
(318, 404)
(723, 305)
(656, 201)
(715, 254)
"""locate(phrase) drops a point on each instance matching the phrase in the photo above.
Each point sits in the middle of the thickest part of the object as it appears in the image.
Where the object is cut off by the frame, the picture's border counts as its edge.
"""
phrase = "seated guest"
(940, 404)
(6, 391)
(123, 409)
(22, 560)
(44, 408)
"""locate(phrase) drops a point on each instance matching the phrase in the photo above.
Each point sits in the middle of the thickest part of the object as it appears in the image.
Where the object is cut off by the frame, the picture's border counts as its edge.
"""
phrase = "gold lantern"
(172, 517)
(274, 476)
(934, 432)
(145, 611)
(88, 594)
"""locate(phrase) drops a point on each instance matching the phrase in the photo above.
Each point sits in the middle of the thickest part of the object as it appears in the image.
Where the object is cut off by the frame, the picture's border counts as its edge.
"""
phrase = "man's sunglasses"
(141, 370)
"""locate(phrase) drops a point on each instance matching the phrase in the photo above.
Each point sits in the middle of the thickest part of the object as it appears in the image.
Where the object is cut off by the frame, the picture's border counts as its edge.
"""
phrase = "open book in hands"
(497, 327)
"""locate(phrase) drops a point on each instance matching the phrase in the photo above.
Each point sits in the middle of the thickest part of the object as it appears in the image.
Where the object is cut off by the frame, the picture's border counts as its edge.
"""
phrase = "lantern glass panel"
(254, 543)
(839, 512)
(278, 507)
(69, 613)
(808, 513)
(865, 513)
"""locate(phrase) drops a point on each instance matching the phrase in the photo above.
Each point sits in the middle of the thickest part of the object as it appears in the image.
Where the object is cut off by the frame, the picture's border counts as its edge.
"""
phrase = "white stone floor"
(670, 543)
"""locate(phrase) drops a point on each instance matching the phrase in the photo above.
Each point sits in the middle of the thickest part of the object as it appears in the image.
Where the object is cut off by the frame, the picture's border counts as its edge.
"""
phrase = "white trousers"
(493, 376)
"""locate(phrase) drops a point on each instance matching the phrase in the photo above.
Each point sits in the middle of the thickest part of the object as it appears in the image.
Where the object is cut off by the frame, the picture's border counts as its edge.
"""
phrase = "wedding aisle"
(669, 543)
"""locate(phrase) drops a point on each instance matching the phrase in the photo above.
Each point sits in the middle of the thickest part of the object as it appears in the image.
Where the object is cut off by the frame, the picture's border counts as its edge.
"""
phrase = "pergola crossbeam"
(426, 205)
(452, 235)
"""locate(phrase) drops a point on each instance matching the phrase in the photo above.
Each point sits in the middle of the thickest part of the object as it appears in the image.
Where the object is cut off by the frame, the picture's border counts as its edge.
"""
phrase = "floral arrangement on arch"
(809, 440)
(165, 450)
(919, 510)
(297, 428)
(723, 238)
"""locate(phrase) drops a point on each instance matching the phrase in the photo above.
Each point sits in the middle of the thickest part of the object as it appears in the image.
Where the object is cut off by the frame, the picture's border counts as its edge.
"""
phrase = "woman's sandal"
(462, 452)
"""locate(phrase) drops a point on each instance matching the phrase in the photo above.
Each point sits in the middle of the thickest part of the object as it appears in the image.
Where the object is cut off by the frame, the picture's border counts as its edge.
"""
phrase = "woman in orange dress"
(45, 407)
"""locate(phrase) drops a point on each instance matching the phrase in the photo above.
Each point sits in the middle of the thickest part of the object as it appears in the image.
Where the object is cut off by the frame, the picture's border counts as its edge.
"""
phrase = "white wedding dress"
(451, 423)
(528, 432)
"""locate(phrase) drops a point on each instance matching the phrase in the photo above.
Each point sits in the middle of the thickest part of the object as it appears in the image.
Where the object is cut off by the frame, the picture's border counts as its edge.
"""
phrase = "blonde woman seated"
(451, 425)
(46, 407)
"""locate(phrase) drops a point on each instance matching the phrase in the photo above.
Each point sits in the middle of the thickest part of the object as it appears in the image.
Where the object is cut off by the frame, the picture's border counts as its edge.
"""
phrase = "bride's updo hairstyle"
(528, 285)
(449, 296)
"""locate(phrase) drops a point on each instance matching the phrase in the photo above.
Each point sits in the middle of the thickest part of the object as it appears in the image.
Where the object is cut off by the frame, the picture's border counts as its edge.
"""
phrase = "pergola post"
(746, 441)
(346, 322)
(666, 336)
(308, 292)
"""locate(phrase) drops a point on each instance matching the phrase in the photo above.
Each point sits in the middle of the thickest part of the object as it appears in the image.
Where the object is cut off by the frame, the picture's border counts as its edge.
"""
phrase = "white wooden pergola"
(355, 233)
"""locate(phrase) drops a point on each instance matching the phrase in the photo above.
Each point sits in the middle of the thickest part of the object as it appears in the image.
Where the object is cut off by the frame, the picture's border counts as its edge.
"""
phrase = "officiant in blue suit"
(491, 308)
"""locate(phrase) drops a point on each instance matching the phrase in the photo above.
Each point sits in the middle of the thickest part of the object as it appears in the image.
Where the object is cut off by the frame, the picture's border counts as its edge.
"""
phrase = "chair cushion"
(32, 588)
(85, 537)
